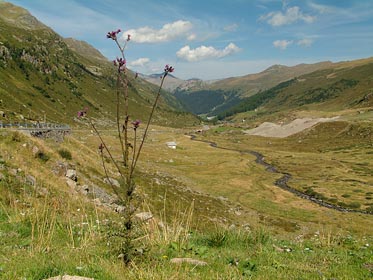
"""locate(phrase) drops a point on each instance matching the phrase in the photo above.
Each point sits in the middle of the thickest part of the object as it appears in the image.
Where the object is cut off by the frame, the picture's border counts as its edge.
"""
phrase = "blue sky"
(213, 39)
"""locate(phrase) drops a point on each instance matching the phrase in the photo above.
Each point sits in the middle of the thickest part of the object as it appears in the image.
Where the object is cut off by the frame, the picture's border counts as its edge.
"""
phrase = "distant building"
(171, 145)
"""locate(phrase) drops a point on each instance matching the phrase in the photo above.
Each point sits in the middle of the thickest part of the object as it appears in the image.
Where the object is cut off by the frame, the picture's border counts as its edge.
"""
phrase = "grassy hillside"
(41, 76)
(211, 205)
(344, 86)
(222, 95)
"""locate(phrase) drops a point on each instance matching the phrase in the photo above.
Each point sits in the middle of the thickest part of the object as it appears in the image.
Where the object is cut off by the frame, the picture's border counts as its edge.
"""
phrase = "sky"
(214, 39)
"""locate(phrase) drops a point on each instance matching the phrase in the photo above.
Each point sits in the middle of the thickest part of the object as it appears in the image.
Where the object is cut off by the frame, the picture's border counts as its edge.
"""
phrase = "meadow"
(214, 205)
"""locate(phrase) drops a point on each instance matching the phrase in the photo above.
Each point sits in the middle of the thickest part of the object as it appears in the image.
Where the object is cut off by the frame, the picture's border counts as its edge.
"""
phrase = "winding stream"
(283, 181)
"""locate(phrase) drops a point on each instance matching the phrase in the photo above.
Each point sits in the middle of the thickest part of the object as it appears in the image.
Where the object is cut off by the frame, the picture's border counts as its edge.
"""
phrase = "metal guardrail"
(35, 126)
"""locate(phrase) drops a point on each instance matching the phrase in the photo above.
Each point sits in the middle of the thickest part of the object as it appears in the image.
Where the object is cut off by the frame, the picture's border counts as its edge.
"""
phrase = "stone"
(30, 180)
(13, 171)
(97, 193)
(112, 181)
(35, 150)
(60, 168)
(71, 174)
(120, 208)
(68, 277)
(71, 183)
(189, 261)
(144, 216)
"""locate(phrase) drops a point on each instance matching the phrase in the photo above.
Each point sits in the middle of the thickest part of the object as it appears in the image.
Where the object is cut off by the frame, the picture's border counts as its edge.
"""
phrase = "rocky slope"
(43, 75)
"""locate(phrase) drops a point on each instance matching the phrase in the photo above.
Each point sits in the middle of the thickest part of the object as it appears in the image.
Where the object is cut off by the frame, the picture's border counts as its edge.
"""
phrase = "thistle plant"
(130, 150)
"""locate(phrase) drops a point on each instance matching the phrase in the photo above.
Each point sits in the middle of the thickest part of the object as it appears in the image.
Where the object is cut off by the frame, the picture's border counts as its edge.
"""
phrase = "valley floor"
(220, 206)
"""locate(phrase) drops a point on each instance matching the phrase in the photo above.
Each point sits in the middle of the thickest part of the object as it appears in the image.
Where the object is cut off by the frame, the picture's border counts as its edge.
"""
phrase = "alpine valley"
(262, 176)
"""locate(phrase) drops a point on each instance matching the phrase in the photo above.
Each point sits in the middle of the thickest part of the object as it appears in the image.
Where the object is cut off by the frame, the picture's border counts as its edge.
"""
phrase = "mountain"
(344, 85)
(45, 75)
(84, 49)
(218, 96)
(174, 84)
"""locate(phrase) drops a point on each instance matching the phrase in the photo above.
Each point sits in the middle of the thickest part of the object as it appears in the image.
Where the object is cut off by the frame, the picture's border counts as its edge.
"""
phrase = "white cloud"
(291, 15)
(322, 9)
(231, 28)
(168, 32)
(203, 52)
(139, 62)
(192, 37)
(282, 44)
(306, 42)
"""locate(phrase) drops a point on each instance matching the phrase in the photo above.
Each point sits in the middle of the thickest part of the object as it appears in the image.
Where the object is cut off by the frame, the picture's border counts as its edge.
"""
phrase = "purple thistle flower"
(80, 114)
(101, 147)
(168, 69)
(120, 63)
(136, 124)
(113, 34)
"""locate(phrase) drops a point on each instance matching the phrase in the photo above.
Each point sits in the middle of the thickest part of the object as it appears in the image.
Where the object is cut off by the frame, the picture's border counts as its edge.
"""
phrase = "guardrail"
(35, 126)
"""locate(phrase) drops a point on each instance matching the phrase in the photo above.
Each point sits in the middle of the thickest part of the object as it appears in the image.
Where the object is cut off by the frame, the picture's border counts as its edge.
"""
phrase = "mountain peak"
(84, 49)
(19, 17)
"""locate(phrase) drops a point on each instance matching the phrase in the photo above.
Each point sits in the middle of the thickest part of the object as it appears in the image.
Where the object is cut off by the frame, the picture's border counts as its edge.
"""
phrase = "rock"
(60, 168)
(13, 171)
(30, 180)
(68, 277)
(189, 261)
(222, 198)
(144, 216)
(97, 193)
(120, 209)
(71, 174)
(157, 181)
(71, 183)
(112, 181)
(35, 150)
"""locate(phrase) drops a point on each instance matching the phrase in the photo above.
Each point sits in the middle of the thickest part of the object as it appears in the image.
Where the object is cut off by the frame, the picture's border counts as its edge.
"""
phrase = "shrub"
(42, 156)
(65, 154)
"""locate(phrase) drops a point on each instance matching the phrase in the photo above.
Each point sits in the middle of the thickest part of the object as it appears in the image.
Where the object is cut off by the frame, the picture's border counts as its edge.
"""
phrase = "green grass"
(218, 206)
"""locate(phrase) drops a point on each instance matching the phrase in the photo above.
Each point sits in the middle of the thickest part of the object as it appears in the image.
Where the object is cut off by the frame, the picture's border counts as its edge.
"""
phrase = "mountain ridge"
(40, 74)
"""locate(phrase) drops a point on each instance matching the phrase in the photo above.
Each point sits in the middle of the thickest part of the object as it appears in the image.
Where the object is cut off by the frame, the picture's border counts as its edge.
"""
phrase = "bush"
(65, 154)
(16, 137)
(42, 156)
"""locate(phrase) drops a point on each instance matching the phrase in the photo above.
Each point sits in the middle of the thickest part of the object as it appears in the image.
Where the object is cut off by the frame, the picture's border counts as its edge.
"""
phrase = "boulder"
(71, 183)
(112, 181)
(35, 150)
(68, 277)
(71, 174)
(30, 180)
(189, 261)
(144, 216)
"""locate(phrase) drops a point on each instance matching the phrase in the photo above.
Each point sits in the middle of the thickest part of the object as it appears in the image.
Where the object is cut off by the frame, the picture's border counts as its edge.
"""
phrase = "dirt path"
(283, 181)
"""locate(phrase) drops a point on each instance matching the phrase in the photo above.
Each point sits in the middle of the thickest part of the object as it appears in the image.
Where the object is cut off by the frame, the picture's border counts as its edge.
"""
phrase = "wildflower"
(136, 124)
(121, 63)
(113, 34)
(81, 114)
(101, 147)
(168, 69)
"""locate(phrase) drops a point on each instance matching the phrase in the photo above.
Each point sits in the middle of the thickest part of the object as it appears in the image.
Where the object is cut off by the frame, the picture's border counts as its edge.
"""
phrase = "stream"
(285, 178)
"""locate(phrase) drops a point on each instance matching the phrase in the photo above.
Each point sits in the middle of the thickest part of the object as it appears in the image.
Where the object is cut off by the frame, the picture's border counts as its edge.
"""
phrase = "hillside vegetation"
(241, 229)
(43, 75)
(215, 97)
(334, 89)
(213, 207)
